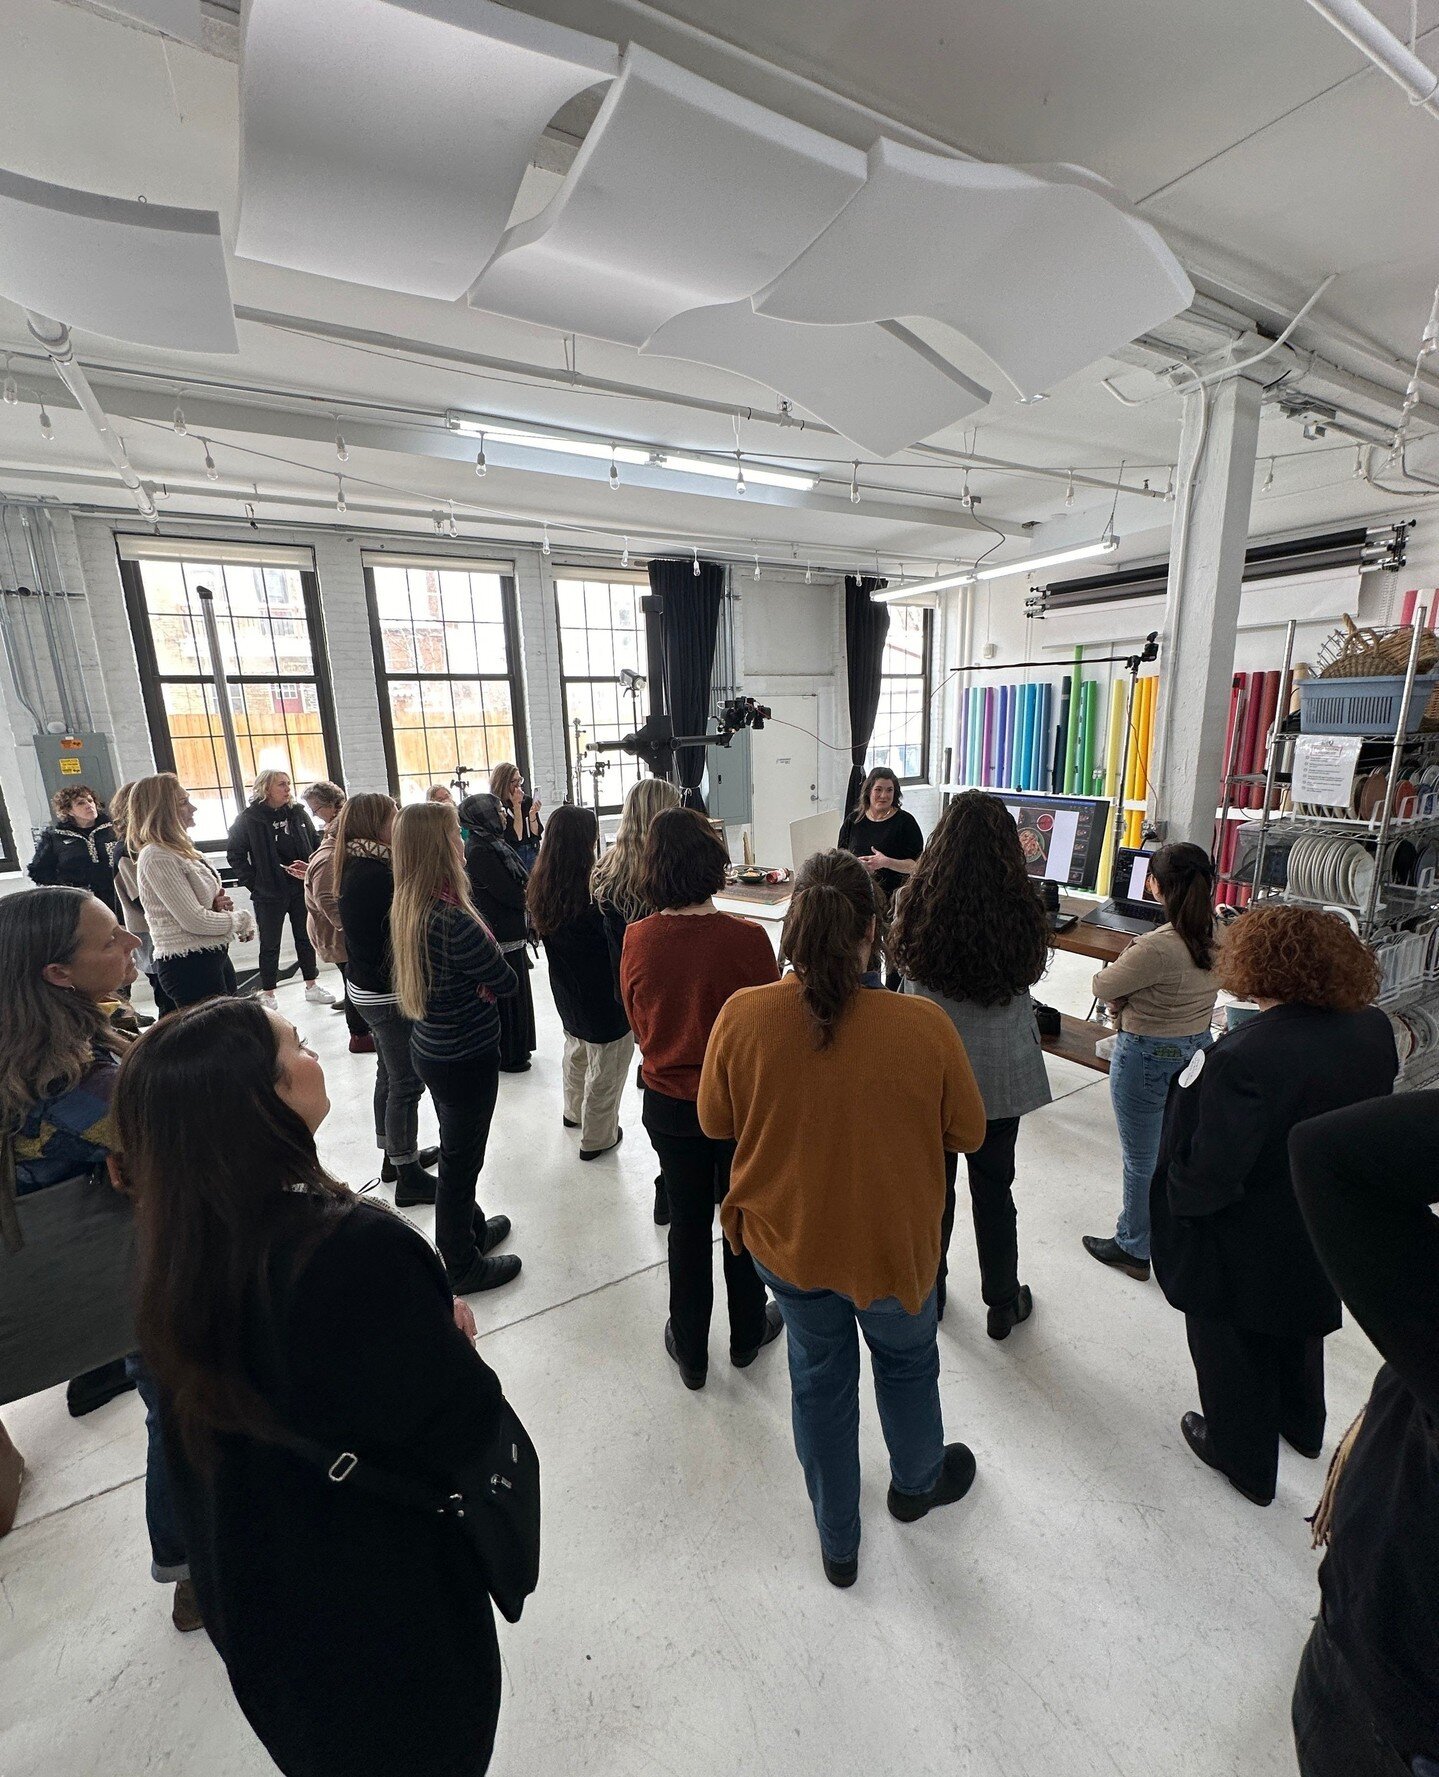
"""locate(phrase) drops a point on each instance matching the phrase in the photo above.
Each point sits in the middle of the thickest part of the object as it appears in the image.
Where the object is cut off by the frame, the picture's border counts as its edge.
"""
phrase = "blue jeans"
(824, 1383)
(168, 1559)
(1139, 1076)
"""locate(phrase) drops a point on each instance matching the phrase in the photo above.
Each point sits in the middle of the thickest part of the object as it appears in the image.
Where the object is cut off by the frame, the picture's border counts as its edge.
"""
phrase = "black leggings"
(464, 1094)
(996, 1222)
(270, 916)
(199, 975)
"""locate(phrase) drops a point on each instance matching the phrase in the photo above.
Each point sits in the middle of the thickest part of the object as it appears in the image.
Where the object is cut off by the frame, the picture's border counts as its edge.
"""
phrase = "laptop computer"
(1129, 908)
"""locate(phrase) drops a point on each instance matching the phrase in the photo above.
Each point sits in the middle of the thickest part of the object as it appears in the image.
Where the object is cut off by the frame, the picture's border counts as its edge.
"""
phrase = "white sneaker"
(267, 999)
(315, 995)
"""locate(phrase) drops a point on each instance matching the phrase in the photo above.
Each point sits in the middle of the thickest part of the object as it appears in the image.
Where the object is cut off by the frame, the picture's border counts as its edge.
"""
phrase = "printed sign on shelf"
(1324, 767)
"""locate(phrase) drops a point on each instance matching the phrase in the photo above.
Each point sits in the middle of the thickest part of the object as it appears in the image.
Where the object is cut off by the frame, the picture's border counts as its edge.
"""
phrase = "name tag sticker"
(1193, 1068)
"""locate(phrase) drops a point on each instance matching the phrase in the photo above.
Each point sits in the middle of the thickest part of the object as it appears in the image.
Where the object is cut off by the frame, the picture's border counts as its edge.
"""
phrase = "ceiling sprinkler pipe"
(55, 337)
(1384, 49)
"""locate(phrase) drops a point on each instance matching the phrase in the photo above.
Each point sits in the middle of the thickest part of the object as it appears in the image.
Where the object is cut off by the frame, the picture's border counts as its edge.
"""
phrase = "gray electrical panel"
(728, 795)
(66, 760)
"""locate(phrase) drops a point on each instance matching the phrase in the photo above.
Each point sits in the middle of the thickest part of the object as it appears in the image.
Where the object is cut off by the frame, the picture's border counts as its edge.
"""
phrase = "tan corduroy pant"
(594, 1079)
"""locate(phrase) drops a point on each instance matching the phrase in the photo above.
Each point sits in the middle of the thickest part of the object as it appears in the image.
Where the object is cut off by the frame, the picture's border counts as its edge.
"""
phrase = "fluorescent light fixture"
(634, 455)
(1028, 565)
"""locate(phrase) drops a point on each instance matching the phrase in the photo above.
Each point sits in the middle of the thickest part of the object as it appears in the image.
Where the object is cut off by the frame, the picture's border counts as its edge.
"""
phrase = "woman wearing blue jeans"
(1162, 989)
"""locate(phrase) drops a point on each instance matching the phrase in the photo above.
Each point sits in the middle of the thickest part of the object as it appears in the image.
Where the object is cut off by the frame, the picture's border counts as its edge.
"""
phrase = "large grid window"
(901, 724)
(602, 635)
(271, 652)
(445, 647)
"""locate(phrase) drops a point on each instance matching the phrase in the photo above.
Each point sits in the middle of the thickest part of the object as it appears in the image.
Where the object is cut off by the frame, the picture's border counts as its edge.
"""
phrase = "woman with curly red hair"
(1230, 1247)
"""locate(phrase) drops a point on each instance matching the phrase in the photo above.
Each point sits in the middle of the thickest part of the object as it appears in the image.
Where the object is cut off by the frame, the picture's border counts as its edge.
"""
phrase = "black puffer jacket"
(77, 857)
(253, 850)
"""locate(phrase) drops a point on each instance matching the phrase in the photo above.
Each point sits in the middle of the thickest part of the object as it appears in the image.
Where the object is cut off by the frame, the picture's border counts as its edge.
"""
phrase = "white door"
(785, 764)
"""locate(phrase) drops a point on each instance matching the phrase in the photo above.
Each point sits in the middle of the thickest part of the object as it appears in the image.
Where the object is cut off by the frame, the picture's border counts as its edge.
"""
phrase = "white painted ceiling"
(1266, 151)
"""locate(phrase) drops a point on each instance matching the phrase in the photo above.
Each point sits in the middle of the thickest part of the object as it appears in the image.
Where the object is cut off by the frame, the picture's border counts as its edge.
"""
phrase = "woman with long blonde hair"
(615, 885)
(448, 971)
(191, 918)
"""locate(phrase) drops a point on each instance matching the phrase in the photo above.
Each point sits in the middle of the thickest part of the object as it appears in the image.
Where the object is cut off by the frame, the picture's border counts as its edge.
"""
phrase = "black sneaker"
(955, 1480)
(486, 1274)
(594, 1153)
(426, 1157)
(773, 1327)
(1111, 1253)
(690, 1378)
(568, 1122)
(414, 1185)
(841, 1573)
(662, 1203)
(1002, 1321)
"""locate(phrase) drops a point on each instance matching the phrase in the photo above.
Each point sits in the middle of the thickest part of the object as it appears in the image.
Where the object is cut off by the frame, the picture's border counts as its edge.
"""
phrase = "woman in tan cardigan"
(848, 1246)
(1163, 990)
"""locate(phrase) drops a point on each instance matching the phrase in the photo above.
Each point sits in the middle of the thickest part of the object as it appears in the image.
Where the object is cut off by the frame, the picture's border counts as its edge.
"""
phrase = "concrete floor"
(1099, 1604)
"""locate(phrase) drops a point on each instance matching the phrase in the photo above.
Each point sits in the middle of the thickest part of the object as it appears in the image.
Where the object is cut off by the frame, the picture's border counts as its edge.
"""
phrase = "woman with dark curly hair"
(970, 934)
(1230, 1247)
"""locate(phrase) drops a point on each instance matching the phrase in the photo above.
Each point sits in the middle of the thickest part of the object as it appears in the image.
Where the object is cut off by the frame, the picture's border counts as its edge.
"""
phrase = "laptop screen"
(1131, 871)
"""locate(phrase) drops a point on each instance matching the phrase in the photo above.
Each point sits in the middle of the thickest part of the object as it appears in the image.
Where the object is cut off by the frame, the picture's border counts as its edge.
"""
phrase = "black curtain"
(866, 626)
(688, 625)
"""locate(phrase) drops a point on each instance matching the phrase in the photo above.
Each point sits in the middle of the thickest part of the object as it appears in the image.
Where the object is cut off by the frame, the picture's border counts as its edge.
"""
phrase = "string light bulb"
(211, 472)
(1269, 478)
(47, 431)
(341, 505)
(545, 544)
(177, 420)
(452, 528)
(1069, 492)
(10, 388)
(966, 498)
(697, 564)
(756, 567)
(741, 487)
(614, 471)
(854, 485)
(625, 554)
(342, 450)
(482, 468)
(808, 574)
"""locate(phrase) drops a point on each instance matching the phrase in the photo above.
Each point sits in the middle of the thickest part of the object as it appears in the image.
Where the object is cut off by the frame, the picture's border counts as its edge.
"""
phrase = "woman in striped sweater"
(191, 918)
(448, 971)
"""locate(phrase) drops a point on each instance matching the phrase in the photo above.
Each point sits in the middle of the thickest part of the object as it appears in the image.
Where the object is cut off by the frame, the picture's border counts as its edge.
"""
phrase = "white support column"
(1201, 613)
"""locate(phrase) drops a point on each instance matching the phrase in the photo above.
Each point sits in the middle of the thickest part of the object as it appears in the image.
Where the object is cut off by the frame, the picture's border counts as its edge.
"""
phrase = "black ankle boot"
(413, 1185)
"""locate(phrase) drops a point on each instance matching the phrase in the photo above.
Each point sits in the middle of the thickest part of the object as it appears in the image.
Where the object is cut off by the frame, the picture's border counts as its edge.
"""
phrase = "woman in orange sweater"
(788, 1077)
(677, 968)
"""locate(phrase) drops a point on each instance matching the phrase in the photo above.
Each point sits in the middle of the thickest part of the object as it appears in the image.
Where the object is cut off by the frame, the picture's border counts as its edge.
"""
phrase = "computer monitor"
(1127, 887)
(1062, 836)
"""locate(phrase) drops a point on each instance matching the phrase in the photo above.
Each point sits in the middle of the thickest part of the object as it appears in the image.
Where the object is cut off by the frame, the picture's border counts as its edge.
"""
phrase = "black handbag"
(496, 1502)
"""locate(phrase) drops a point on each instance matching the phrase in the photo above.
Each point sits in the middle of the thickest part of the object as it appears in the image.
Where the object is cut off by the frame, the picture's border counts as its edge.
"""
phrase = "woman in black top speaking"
(269, 847)
(356, 1631)
(885, 839)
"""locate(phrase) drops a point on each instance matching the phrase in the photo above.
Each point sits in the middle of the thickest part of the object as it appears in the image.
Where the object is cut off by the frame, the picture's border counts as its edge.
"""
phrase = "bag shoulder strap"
(340, 1466)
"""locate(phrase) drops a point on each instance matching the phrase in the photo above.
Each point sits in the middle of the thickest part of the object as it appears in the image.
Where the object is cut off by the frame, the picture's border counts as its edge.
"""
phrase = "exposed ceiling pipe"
(55, 337)
(1384, 49)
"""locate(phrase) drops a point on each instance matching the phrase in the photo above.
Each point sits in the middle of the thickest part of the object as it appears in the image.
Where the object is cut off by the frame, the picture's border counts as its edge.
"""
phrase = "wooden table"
(1077, 1036)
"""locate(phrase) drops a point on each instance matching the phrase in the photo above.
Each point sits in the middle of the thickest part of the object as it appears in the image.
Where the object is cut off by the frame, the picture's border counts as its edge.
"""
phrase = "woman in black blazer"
(1230, 1247)
(497, 879)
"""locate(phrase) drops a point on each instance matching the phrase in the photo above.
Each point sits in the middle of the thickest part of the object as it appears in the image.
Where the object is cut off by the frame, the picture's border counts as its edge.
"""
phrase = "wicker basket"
(1368, 653)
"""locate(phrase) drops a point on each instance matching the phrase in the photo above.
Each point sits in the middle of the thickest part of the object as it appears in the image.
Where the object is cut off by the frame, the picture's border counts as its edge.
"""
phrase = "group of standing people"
(761, 1094)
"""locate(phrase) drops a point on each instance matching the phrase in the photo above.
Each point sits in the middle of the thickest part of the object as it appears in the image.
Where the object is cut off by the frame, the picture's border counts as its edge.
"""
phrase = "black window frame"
(925, 677)
(9, 856)
(152, 681)
(515, 677)
(649, 628)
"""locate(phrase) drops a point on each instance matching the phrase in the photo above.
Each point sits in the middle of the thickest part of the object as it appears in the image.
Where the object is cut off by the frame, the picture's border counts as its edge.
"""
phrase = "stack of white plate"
(1339, 872)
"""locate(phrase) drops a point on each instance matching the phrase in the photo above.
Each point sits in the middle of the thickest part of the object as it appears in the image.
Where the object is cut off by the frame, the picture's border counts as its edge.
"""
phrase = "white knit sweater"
(176, 894)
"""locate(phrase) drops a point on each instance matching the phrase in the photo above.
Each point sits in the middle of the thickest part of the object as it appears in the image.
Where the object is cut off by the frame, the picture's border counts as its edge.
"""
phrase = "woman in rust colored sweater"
(677, 968)
(789, 1076)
